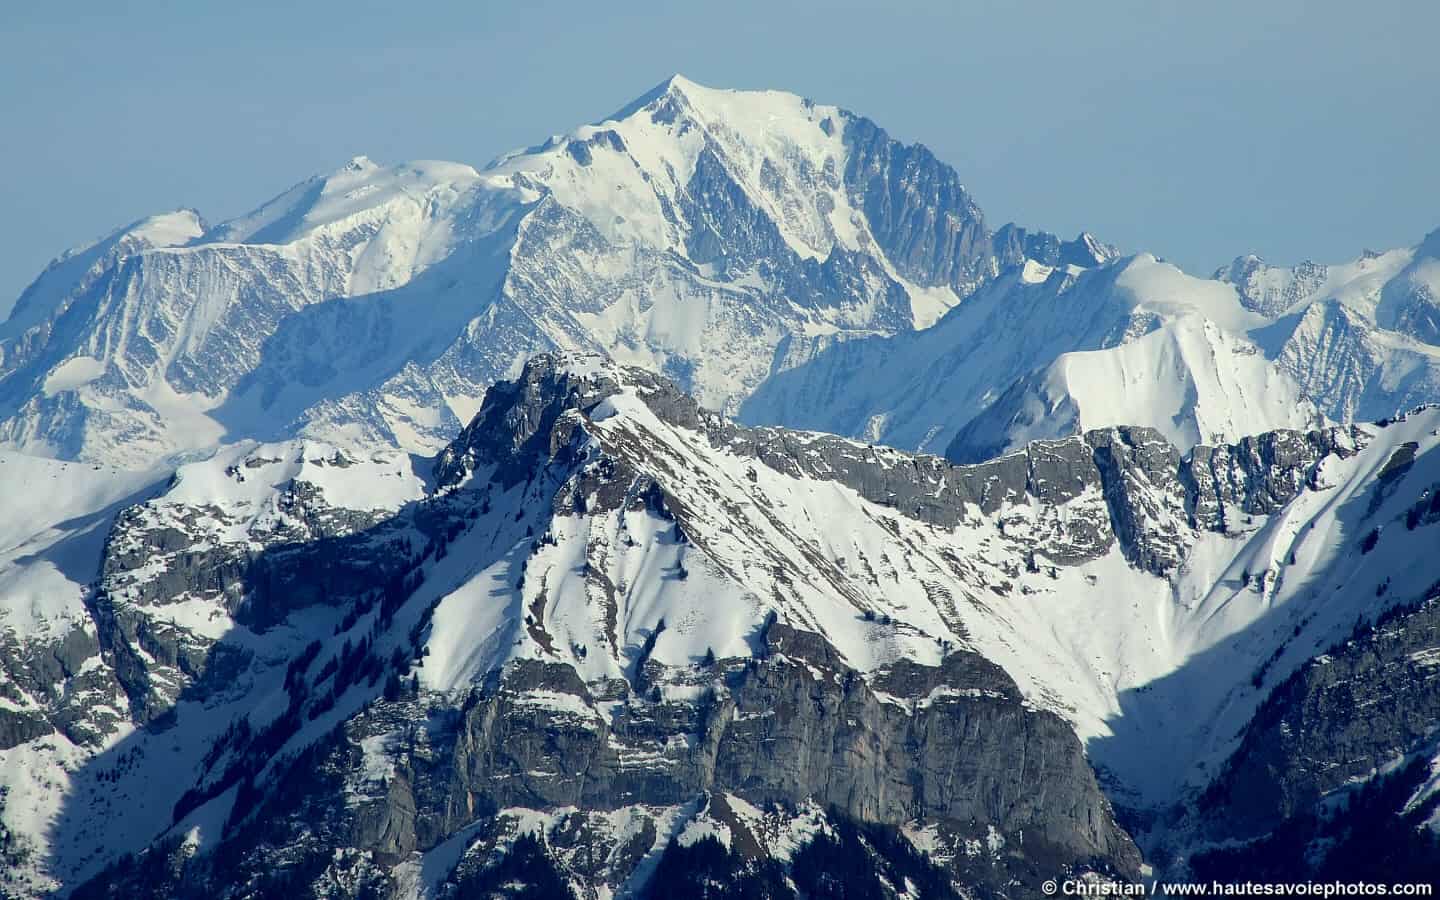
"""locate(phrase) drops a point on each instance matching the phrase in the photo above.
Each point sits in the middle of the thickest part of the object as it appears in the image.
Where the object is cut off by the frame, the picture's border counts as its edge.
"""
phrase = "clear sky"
(1290, 128)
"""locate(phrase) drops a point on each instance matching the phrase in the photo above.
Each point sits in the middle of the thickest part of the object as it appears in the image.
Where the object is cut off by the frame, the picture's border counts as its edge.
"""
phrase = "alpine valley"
(709, 502)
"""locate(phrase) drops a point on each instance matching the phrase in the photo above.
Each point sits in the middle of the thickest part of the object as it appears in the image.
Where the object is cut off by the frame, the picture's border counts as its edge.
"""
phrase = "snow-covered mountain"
(613, 619)
(692, 232)
(315, 578)
(1043, 352)
(765, 251)
(1134, 341)
(1362, 339)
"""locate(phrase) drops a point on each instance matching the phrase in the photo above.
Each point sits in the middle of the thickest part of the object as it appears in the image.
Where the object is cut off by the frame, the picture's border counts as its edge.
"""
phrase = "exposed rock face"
(613, 617)
(782, 731)
(516, 428)
(1362, 708)
(1259, 474)
(928, 225)
(35, 669)
(1268, 290)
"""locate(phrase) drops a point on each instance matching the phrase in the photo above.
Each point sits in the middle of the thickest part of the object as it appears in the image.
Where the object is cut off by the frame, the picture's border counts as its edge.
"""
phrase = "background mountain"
(1202, 360)
(763, 250)
(692, 232)
(315, 578)
(778, 258)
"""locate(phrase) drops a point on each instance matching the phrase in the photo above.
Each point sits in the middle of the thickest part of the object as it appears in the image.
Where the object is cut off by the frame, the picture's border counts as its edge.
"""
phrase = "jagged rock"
(611, 606)
(1357, 710)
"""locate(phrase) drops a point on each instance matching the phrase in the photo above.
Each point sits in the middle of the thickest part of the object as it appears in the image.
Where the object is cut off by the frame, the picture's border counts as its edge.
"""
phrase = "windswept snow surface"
(1044, 352)
(54, 517)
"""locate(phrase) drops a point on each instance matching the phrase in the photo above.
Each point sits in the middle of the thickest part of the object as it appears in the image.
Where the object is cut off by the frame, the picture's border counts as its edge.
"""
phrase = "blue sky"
(1195, 130)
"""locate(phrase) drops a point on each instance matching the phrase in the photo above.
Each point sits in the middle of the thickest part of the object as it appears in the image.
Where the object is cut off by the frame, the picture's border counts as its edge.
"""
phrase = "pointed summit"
(360, 164)
(676, 84)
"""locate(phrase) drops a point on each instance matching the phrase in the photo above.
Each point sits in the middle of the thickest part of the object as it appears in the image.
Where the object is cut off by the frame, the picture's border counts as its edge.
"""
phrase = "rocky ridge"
(603, 572)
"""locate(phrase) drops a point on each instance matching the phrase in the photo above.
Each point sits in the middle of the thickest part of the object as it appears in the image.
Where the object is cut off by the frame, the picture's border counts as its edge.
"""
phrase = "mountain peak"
(703, 97)
(678, 82)
(358, 164)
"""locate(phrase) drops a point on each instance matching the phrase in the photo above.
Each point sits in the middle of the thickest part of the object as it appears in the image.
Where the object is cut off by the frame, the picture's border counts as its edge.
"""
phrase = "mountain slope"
(601, 577)
(691, 233)
(1044, 352)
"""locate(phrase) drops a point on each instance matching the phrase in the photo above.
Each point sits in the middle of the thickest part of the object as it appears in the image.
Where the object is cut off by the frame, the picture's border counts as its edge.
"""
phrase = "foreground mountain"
(607, 638)
(574, 592)
(692, 233)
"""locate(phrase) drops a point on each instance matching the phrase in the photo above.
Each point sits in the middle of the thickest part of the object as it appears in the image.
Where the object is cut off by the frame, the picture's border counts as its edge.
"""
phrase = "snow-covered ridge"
(595, 520)
(693, 233)
(1042, 353)
(1134, 341)
(1079, 634)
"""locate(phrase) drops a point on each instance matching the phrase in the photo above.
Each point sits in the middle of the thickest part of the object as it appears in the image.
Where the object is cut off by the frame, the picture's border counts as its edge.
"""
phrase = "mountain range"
(707, 496)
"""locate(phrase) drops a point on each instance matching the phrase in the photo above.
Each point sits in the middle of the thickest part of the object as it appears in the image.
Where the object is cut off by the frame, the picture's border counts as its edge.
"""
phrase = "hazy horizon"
(1292, 130)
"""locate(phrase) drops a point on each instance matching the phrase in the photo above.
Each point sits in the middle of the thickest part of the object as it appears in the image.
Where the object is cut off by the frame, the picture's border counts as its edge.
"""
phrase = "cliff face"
(782, 741)
(606, 625)
(619, 666)
(1335, 775)
(1366, 707)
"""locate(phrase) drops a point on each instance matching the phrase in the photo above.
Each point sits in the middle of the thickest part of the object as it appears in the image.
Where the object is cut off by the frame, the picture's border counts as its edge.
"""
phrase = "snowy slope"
(594, 518)
(1189, 378)
(1045, 352)
(1362, 338)
(691, 233)
(56, 516)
